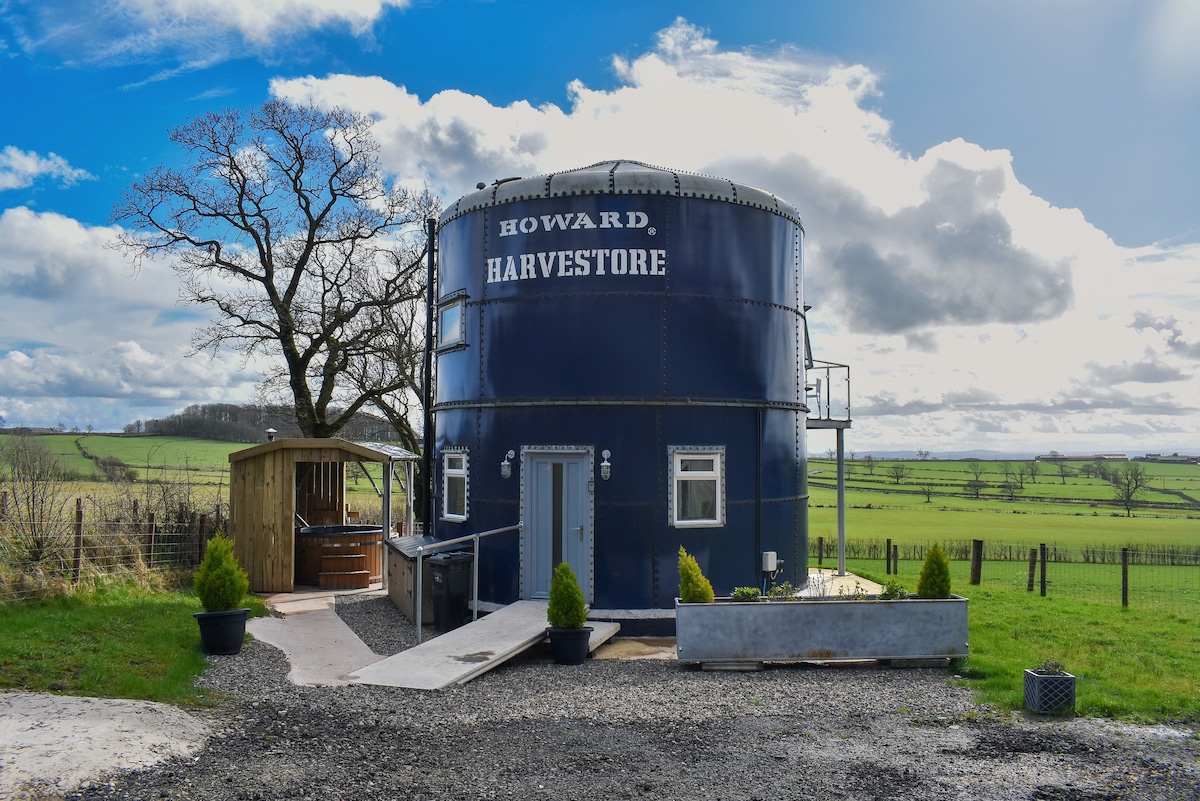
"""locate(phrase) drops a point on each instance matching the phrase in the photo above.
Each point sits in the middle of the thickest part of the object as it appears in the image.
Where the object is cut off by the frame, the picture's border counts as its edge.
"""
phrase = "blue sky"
(1000, 197)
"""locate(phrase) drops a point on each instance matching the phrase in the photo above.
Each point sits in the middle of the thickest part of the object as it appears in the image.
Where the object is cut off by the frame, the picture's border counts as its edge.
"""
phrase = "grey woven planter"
(1049, 694)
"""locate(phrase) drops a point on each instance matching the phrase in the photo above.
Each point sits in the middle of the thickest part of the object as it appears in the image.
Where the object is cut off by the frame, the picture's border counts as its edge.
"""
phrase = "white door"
(556, 488)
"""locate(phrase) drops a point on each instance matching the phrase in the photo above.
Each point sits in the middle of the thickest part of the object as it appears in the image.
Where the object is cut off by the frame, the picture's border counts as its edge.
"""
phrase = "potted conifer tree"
(221, 584)
(567, 613)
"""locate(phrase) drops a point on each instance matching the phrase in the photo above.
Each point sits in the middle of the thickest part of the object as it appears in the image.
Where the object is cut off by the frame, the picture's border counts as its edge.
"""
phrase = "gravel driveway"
(618, 729)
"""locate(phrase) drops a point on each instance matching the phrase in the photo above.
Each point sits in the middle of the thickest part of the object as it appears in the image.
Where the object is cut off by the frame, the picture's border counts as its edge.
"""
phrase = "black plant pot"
(222, 632)
(569, 646)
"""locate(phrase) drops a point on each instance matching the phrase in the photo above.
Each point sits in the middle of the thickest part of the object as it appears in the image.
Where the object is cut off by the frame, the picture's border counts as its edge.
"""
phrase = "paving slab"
(319, 646)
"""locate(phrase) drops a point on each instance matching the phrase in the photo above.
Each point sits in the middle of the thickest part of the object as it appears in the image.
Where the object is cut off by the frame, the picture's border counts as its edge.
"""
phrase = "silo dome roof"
(619, 177)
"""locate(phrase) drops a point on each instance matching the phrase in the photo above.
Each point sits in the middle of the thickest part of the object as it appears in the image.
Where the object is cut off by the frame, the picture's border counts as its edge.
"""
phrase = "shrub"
(220, 581)
(567, 609)
(1050, 667)
(694, 588)
(934, 581)
(783, 591)
(745, 594)
(893, 591)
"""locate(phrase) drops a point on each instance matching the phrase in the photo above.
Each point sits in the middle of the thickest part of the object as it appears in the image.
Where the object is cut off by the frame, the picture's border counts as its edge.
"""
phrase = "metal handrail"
(419, 590)
(827, 374)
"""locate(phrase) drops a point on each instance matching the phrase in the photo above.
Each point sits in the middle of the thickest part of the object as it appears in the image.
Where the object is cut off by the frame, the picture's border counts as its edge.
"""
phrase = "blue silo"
(620, 365)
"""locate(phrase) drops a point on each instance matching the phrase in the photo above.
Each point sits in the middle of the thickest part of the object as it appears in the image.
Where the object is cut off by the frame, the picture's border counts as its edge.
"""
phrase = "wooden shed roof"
(333, 447)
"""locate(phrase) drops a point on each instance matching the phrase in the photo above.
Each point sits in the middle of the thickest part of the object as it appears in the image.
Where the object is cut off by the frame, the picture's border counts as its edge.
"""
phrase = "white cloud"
(260, 22)
(199, 33)
(85, 341)
(990, 316)
(20, 168)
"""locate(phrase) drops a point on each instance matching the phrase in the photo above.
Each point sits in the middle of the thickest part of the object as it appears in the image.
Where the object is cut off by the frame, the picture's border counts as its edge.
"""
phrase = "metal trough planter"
(827, 629)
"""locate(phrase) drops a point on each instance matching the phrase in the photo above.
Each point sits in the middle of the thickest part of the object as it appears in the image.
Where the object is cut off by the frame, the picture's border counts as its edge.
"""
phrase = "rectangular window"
(697, 487)
(451, 323)
(455, 485)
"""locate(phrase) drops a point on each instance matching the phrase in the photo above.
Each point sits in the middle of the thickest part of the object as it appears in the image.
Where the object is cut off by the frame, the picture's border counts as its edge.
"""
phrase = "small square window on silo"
(697, 487)
(451, 323)
(454, 485)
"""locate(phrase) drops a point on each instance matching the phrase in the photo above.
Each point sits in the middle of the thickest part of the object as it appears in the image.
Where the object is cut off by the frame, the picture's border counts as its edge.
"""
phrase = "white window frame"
(675, 456)
(461, 472)
(458, 337)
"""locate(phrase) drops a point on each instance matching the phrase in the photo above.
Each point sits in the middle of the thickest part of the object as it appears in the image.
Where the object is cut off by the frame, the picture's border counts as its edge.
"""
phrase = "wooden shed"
(288, 513)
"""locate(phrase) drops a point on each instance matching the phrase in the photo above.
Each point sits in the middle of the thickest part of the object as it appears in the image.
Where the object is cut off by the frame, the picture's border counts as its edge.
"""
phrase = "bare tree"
(922, 454)
(1064, 470)
(927, 490)
(281, 222)
(974, 486)
(38, 529)
(1032, 469)
(1128, 481)
(869, 461)
(976, 470)
(898, 472)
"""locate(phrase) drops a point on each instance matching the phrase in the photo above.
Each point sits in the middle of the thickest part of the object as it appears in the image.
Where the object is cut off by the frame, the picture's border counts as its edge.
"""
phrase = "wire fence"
(1163, 578)
(52, 557)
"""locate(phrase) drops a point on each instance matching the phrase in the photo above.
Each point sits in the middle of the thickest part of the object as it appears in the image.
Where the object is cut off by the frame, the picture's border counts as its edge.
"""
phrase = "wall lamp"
(271, 434)
(605, 466)
(506, 465)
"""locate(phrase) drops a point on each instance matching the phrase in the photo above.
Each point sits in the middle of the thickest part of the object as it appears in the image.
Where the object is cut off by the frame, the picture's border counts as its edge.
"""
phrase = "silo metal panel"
(587, 181)
(704, 186)
(717, 348)
(461, 250)
(632, 178)
(466, 204)
(756, 198)
(732, 251)
(520, 189)
(571, 346)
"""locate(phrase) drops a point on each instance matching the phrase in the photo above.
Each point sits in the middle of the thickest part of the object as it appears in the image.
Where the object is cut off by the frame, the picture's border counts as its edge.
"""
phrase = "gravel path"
(617, 729)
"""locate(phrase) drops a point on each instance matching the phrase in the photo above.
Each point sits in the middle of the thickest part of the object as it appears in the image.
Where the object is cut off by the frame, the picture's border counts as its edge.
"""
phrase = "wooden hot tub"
(339, 557)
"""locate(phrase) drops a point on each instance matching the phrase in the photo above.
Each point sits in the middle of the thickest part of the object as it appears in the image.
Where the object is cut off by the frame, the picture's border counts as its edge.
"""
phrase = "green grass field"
(1173, 488)
(1136, 664)
(122, 641)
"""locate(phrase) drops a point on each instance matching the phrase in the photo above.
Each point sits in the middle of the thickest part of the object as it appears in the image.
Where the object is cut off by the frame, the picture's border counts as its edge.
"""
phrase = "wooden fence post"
(1042, 549)
(1124, 577)
(895, 560)
(976, 560)
(78, 563)
(820, 551)
(149, 547)
(1032, 568)
(201, 538)
(887, 557)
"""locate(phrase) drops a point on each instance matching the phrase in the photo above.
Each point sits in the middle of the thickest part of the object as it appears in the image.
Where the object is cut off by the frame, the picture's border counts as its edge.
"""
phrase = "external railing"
(441, 546)
(827, 391)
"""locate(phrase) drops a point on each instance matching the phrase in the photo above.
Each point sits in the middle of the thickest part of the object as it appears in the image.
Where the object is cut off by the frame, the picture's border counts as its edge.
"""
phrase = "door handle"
(580, 529)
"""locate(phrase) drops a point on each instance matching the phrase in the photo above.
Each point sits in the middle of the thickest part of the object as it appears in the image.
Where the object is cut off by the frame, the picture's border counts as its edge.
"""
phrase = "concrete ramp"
(461, 654)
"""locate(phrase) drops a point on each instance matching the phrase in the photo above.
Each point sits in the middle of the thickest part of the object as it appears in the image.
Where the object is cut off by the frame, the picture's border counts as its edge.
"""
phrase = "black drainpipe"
(427, 456)
(758, 498)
